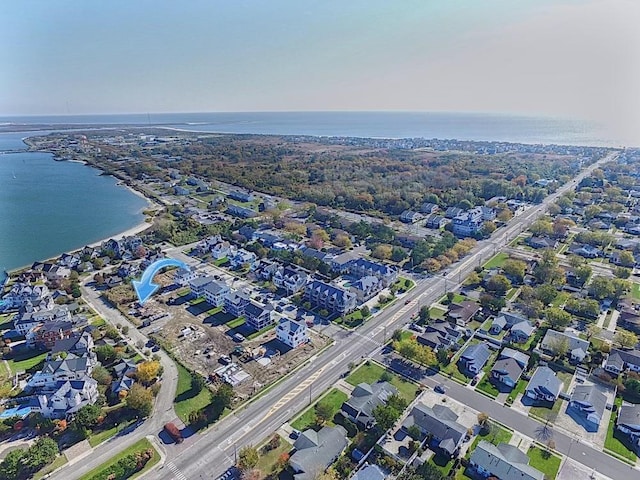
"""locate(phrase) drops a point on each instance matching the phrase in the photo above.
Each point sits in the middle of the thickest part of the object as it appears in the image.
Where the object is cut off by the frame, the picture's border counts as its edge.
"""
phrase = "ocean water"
(49, 207)
(461, 126)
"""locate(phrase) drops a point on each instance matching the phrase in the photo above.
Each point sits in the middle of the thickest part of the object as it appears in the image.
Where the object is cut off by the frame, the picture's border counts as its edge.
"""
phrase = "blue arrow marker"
(144, 287)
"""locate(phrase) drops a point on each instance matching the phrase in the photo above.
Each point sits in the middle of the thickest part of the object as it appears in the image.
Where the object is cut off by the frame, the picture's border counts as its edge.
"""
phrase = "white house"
(215, 293)
(67, 398)
(290, 279)
(184, 275)
(292, 333)
(197, 285)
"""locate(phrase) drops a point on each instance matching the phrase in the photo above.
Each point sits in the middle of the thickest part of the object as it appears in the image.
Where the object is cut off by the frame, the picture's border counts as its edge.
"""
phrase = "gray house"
(577, 347)
(544, 385)
(517, 355)
(621, 360)
(589, 402)
(521, 331)
(364, 399)
(628, 422)
(507, 371)
(474, 357)
(440, 423)
(503, 461)
(315, 451)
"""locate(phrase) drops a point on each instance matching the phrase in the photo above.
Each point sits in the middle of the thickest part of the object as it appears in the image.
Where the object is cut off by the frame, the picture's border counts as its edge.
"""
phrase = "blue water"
(461, 126)
(49, 207)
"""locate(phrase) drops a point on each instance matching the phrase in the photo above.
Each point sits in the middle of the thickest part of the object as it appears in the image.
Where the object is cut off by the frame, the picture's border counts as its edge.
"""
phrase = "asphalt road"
(211, 453)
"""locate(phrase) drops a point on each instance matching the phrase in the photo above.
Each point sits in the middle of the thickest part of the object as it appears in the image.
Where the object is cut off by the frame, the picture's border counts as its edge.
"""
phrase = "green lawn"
(262, 331)
(519, 388)
(100, 437)
(547, 464)
(235, 323)
(184, 403)
(498, 434)
(612, 443)
(268, 460)
(545, 413)
(512, 293)
(487, 387)
(136, 447)
(453, 371)
(25, 363)
(98, 321)
(496, 261)
(372, 373)
(57, 463)
(334, 399)
(437, 313)
(635, 291)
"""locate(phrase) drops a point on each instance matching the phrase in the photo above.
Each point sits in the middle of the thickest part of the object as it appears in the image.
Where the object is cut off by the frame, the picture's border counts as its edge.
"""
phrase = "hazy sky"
(576, 58)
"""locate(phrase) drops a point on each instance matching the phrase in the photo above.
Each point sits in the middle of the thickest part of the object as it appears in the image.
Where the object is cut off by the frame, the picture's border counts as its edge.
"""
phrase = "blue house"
(474, 357)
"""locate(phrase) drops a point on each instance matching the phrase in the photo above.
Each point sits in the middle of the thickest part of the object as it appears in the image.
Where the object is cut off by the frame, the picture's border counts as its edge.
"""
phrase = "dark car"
(439, 388)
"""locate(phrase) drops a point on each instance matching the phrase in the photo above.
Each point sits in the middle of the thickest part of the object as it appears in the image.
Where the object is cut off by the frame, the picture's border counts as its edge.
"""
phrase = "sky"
(566, 58)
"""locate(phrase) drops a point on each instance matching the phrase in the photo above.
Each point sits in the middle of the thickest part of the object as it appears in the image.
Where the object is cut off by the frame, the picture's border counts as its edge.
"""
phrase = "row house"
(257, 316)
(366, 287)
(197, 285)
(290, 279)
(70, 368)
(183, 276)
(215, 293)
(332, 298)
(29, 320)
(362, 267)
(235, 304)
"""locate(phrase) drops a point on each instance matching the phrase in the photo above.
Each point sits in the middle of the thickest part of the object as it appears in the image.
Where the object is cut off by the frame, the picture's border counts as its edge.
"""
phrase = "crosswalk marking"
(178, 474)
(294, 392)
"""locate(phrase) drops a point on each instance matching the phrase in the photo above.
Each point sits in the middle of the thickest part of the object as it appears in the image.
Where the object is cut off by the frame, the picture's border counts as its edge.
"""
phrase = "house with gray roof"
(504, 321)
(462, 313)
(621, 360)
(628, 422)
(520, 357)
(369, 472)
(334, 299)
(521, 332)
(589, 402)
(439, 334)
(577, 347)
(503, 461)
(507, 371)
(315, 451)
(366, 287)
(439, 422)
(544, 385)
(474, 357)
(364, 399)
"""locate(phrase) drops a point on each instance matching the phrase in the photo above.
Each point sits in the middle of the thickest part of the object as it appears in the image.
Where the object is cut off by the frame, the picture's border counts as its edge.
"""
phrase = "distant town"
(349, 308)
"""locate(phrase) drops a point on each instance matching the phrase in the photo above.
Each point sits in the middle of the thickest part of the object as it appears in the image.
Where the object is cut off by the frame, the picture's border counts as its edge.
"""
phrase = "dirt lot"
(207, 339)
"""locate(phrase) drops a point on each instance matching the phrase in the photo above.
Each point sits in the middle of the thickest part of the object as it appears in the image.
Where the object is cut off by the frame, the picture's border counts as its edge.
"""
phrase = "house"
(53, 371)
(621, 360)
(544, 385)
(243, 257)
(586, 251)
(290, 279)
(221, 250)
(332, 298)
(241, 212)
(197, 285)
(542, 242)
(468, 223)
(521, 332)
(453, 212)
(438, 422)
(435, 221)
(124, 368)
(577, 348)
(462, 313)
(46, 334)
(505, 321)
(79, 345)
(235, 303)
(429, 208)
(362, 267)
(409, 216)
(628, 422)
(257, 316)
(488, 213)
(520, 357)
(66, 398)
(341, 263)
(589, 402)
(215, 293)
(364, 399)
(178, 190)
(183, 276)
(241, 196)
(315, 451)
(502, 461)
(292, 333)
(122, 384)
(474, 357)
(440, 334)
(369, 472)
(507, 371)
(366, 287)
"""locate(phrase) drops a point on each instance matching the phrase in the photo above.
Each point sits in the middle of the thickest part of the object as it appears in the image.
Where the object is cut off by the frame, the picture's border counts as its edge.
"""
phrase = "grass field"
(235, 323)
(185, 402)
(519, 388)
(547, 464)
(373, 372)
(635, 291)
(57, 463)
(334, 399)
(496, 261)
(136, 447)
(100, 437)
(269, 459)
(497, 435)
(25, 363)
(487, 387)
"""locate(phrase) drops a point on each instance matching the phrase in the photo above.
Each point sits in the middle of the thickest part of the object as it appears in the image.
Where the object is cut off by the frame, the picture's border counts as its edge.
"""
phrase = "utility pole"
(310, 393)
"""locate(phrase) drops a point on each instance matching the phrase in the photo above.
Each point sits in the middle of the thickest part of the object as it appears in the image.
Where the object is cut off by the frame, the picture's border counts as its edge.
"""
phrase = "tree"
(324, 412)
(383, 252)
(541, 227)
(197, 382)
(44, 451)
(101, 375)
(557, 317)
(559, 346)
(544, 433)
(428, 471)
(625, 338)
(248, 458)
(442, 355)
(342, 241)
(514, 269)
(622, 272)
(364, 310)
(473, 279)
(601, 288)
(87, 416)
(147, 371)
(546, 293)
(626, 259)
(425, 314)
(385, 416)
(582, 274)
(592, 330)
(11, 465)
(140, 399)
(106, 353)
(491, 302)
(498, 284)
(547, 270)
(483, 421)
(253, 474)
(398, 254)
(561, 226)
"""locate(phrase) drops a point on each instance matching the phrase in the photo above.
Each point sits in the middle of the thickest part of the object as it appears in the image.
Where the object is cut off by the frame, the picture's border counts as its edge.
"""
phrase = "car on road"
(407, 302)
(439, 388)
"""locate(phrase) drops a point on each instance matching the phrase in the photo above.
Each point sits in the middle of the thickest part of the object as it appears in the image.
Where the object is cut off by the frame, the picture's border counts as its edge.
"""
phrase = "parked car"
(439, 388)
(173, 432)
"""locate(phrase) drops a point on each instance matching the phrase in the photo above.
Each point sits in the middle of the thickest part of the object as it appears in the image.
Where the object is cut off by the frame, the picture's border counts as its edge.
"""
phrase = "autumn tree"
(147, 371)
(625, 338)
(514, 269)
(140, 399)
(248, 458)
(498, 284)
(557, 317)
